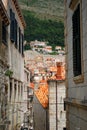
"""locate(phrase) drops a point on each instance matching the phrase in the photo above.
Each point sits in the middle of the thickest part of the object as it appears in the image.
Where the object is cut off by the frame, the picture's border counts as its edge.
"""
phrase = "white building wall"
(57, 115)
(61, 112)
(16, 64)
(76, 92)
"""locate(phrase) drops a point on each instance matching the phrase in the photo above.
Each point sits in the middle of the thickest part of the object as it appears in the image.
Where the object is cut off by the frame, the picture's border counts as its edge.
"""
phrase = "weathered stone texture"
(77, 92)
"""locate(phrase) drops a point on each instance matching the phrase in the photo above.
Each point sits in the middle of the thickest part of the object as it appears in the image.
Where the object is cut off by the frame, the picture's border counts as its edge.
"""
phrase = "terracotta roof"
(43, 81)
(52, 77)
(53, 69)
(43, 99)
(42, 94)
(60, 72)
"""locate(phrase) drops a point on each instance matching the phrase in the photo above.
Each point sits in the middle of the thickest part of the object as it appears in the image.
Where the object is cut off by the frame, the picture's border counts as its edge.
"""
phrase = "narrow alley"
(43, 65)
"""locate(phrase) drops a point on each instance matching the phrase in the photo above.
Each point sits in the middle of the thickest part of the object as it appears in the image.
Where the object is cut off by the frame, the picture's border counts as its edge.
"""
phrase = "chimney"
(60, 71)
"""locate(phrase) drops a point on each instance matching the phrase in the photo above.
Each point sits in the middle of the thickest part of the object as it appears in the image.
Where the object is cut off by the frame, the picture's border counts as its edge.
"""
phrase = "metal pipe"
(56, 106)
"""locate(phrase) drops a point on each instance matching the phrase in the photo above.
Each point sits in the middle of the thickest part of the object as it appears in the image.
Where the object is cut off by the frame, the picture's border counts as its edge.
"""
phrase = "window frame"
(73, 6)
(12, 26)
(4, 33)
(77, 69)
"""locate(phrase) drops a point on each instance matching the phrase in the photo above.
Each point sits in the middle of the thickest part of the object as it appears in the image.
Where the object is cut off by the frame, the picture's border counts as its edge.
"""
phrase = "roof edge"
(19, 12)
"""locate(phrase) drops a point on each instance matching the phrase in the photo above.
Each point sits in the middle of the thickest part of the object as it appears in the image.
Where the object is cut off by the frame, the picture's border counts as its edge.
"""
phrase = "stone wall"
(57, 114)
(76, 91)
(39, 115)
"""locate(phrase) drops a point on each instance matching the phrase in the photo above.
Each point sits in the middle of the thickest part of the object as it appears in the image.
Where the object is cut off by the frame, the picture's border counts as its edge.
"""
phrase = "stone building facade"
(40, 116)
(11, 63)
(76, 59)
(4, 21)
(57, 112)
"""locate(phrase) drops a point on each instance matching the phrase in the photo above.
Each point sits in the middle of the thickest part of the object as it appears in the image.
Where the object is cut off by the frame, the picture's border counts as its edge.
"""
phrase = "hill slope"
(44, 20)
(44, 9)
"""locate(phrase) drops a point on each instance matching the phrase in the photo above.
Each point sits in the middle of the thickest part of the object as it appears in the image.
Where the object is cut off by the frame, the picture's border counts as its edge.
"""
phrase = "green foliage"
(43, 30)
(53, 53)
(27, 47)
(9, 73)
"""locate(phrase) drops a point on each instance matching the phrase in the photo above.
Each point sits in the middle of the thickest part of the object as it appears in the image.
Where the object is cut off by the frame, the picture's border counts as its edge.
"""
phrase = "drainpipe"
(56, 107)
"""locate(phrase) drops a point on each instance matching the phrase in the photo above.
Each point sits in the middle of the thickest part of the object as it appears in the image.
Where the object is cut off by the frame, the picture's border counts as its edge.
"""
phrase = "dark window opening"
(10, 91)
(4, 36)
(15, 34)
(18, 92)
(64, 128)
(21, 91)
(76, 42)
(15, 91)
(19, 40)
(64, 106)
(12, 26)
(22, 45)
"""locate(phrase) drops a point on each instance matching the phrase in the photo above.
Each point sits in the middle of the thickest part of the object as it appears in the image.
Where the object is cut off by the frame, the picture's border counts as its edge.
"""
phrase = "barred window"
(76, 42)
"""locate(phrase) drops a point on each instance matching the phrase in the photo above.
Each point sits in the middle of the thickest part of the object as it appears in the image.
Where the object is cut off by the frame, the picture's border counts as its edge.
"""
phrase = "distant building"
(57, 93)
(76, 67)
(49, 101)
(37, 45)
(60, 50)
(40, 106)
(48, 49)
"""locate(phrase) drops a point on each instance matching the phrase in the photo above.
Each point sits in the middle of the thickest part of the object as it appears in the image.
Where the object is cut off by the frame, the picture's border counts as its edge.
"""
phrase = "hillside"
(44, 9)
(44, 20)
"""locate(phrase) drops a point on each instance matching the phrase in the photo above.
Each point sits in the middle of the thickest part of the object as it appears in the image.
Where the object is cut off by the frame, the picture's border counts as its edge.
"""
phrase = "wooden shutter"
(76, 42)
(4, 38)
(22, 44)
(15, 34)
(19, 40)
(12, 26)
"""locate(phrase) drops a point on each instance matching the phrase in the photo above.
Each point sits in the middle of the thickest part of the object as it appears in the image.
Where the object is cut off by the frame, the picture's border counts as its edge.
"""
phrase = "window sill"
(79, 79)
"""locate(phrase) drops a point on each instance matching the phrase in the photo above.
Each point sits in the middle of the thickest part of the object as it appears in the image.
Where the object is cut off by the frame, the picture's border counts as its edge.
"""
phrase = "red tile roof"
(42, 93)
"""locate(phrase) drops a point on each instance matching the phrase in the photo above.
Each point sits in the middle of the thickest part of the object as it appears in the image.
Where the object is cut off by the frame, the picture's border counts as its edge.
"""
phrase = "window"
(19, 40)
(4, 35)
(15, 91)
(10, 90)
(64, 128)
(18, 92)
(64, 106)
(22, 44)
(21, 91)
(76, 42)
(15, 34)
(12, 26)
